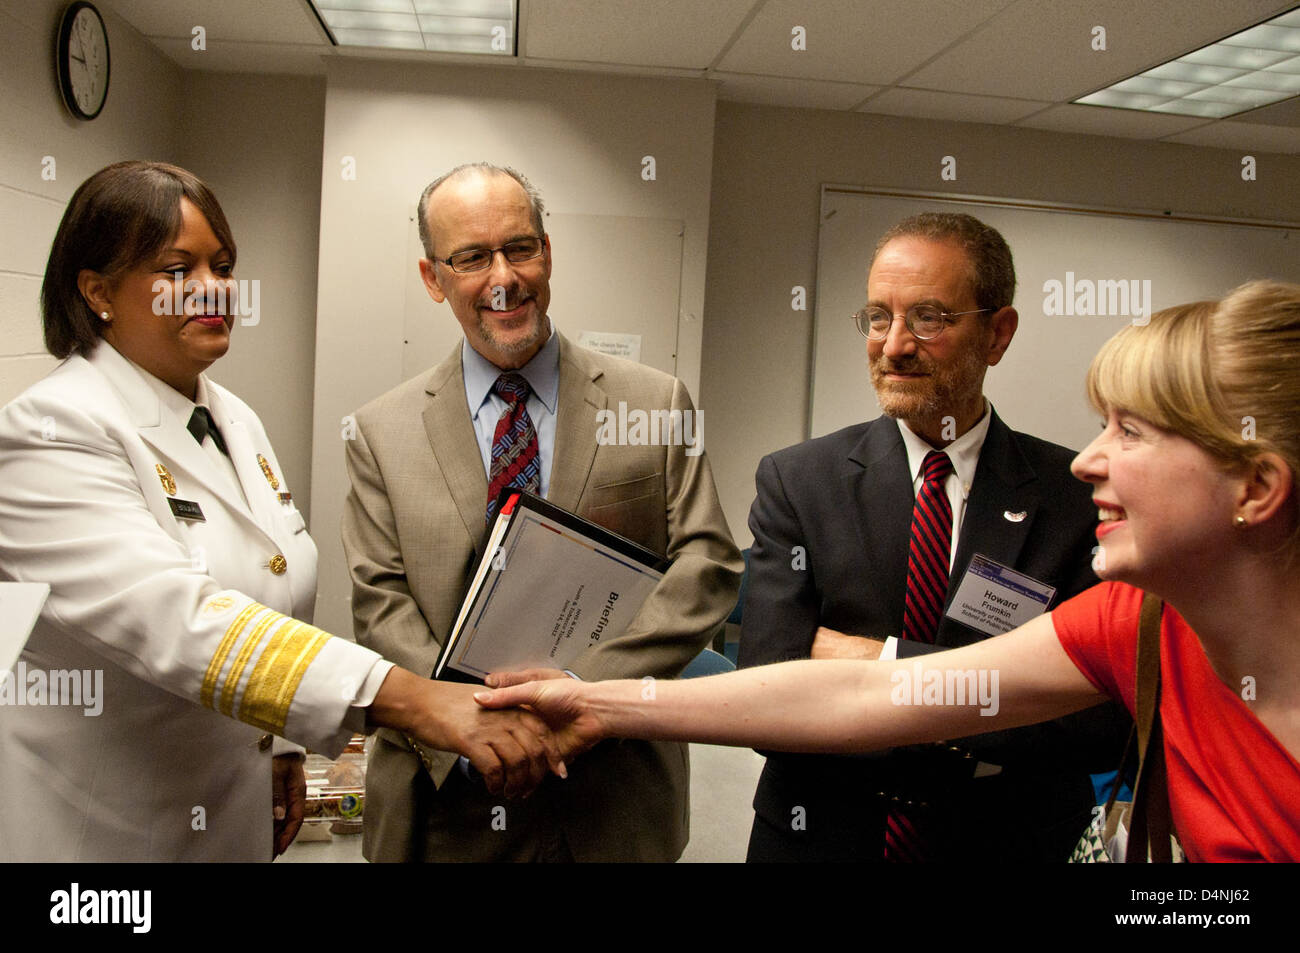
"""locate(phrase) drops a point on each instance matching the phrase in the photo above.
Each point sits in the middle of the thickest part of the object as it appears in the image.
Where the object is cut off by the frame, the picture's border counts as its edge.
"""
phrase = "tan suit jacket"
(412, 529)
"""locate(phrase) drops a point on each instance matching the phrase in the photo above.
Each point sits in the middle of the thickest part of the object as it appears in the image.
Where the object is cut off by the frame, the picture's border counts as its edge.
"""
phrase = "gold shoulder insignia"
(266, 471)
(168, 484)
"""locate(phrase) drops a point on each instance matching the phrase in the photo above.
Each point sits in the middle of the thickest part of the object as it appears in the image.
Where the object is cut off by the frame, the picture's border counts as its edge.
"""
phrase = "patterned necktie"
(927, 560)
(202, 425)
(515, 460)
(927, 589)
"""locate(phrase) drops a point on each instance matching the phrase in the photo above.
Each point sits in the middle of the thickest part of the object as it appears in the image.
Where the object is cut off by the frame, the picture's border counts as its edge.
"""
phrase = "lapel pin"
(1015, 517)
(266, 471)
(168, 484)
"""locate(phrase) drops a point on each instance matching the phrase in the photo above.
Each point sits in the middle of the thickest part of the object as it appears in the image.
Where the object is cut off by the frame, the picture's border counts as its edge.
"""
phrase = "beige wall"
(578, 137)
(140, 120)
(333, 259)
(768, 167)
(256, 140)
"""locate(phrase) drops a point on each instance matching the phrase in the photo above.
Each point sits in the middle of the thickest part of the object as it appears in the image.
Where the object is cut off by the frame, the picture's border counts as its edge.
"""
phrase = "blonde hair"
(1224, 374)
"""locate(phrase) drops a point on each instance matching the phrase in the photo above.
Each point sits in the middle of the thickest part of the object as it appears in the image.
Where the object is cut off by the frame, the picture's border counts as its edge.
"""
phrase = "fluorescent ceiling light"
(445, 26)
(1253, 68)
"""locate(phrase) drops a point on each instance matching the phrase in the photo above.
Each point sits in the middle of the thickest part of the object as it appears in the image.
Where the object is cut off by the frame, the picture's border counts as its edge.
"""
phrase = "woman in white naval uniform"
(150, 500)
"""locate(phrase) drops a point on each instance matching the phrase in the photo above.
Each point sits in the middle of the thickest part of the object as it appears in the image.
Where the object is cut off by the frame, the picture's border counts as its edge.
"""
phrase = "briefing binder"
(549, 585)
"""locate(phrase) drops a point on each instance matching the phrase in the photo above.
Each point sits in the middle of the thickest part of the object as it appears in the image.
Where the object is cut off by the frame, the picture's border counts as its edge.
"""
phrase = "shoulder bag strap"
(1149, 822)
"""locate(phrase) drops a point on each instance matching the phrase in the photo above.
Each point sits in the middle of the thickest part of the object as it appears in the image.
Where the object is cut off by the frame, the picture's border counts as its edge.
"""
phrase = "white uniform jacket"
(194, 623)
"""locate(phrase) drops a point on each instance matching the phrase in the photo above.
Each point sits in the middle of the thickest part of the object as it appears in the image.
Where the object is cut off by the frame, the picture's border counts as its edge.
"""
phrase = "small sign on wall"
(609, 342)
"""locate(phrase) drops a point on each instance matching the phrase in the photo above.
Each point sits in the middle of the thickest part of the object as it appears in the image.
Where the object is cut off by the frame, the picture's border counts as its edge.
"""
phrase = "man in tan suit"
(414, 524)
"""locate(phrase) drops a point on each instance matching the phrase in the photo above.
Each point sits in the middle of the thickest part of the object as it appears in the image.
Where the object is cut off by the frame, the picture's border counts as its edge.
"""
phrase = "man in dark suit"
(861, 539)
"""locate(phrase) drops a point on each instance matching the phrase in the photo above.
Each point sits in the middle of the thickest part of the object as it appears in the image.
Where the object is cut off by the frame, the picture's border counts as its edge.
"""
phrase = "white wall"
(333, 257)
(579, 138)
(256, 140)
(768, 167)
(141, 120)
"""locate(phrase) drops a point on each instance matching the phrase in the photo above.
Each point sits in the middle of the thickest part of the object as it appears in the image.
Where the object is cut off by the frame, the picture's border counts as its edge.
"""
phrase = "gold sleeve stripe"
(241, 660)
(288, 634)
(209, 688)
(291, 681)
(259, 696)
(277, 674)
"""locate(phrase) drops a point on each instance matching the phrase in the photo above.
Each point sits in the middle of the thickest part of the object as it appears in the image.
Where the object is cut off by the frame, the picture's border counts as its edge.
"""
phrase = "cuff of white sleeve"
(365, 697)
(890, 652)
(318, 716)
(279, 746)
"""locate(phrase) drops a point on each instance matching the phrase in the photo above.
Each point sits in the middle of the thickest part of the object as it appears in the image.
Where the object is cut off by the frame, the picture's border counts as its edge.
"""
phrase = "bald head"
(475, 170)
(501, 301)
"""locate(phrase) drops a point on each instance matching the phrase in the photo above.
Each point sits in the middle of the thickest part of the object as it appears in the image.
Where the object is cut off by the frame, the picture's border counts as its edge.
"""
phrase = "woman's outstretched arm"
(1014, 679)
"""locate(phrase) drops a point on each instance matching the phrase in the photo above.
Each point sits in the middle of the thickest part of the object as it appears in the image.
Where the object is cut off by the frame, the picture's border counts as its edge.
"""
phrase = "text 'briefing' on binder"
(550, 585)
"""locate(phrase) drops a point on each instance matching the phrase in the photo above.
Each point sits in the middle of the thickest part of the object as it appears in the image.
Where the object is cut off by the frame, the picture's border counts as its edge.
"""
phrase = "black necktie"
(202, 425)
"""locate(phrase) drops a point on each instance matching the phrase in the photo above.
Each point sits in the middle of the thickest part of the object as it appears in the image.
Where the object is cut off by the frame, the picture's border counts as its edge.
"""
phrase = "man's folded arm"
(1092, 739)
(782, 606)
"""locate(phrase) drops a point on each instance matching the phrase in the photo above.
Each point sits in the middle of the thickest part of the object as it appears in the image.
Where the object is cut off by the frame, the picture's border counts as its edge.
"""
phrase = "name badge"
(994, 598)
(186, 510)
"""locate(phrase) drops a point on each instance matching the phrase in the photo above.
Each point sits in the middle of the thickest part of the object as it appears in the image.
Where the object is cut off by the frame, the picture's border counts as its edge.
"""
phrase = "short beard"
(541, 330)
(933, 397)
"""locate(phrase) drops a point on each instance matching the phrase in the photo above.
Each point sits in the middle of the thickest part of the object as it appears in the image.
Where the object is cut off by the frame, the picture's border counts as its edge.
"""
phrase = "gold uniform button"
(264, 743)
(278, 564)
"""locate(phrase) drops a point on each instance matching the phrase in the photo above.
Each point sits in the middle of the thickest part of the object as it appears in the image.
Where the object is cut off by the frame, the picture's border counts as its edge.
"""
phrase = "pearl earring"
(104, 316)
(1241, 521)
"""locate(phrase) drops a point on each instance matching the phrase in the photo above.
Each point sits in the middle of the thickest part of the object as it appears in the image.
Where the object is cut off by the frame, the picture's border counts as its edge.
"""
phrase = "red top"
(1234, 790)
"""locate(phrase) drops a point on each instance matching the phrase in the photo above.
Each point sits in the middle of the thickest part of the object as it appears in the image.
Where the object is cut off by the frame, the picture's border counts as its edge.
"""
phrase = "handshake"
(512, 748)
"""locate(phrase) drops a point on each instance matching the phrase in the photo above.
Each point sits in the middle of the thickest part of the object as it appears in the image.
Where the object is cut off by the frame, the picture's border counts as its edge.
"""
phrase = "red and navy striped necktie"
(515, 460)
(927, 560)
(927, 590)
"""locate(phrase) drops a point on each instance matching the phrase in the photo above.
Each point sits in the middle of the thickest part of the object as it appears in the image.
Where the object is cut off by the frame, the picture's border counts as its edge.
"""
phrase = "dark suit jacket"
(847, 499)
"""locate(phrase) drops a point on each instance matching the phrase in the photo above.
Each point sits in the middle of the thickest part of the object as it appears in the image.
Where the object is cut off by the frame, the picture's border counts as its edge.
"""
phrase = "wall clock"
(81, 60)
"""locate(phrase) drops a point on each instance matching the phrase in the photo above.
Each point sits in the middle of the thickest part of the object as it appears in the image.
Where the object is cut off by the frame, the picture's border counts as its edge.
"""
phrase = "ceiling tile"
(231, 57)
(580, 67)
(1045, 49)
(851, 41)
(1242, 135)
(1102, 121)
(283, 21)
(679, 33)
(928, 104)
(993, 61)
(781, 91)
(1285, 113)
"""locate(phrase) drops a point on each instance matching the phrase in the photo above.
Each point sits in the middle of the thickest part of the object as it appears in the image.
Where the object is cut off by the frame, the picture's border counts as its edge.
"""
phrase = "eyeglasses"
(925, 321)
(476, 259)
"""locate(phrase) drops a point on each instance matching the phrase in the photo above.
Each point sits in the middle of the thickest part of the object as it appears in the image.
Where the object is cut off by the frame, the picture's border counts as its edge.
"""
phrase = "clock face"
(83, 60)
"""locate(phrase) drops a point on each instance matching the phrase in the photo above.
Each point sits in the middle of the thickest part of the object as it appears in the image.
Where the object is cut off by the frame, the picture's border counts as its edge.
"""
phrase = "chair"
(708, 662)
(731, 649)
(734, 618)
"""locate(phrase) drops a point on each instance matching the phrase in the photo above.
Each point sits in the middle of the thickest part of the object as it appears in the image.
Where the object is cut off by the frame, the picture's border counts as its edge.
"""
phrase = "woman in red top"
(1194, 479)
